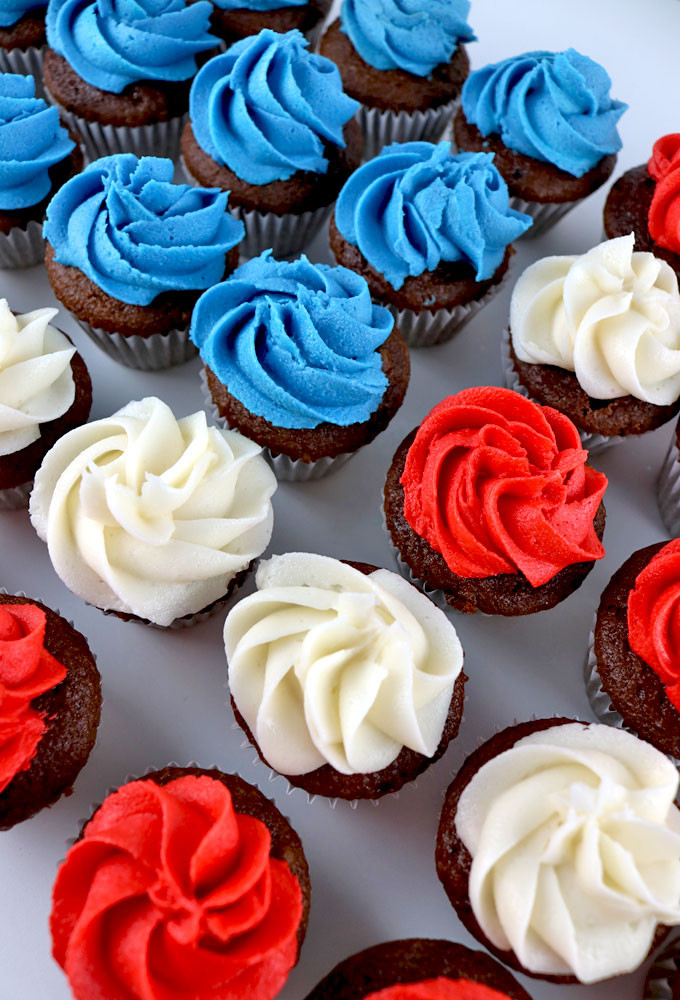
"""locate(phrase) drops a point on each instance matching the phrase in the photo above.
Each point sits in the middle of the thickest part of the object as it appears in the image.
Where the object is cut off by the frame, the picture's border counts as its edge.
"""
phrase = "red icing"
(172, 894)
(654, 617)
(26, 671)
(663, 219)
(439, 989)
(498, 484)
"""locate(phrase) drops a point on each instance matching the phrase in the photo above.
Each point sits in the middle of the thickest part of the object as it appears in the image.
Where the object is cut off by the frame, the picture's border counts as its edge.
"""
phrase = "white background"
(372, 869)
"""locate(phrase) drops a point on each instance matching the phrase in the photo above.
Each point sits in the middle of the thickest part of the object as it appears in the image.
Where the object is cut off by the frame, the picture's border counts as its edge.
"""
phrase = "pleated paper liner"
(544, 214)
(16, 497)
(382, 128)
(22, 247)
(668, 489)
(25, 62)
(286, 235)
(154, 353)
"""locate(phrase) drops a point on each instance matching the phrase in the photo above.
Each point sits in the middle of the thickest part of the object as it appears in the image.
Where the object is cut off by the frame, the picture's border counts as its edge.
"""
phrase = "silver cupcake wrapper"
(668, 489)
(286, 235)
(22, 247)
(154, 353)
(381, 128)
(544, 214)
(26, 62)
(665, 965)
(16, 497)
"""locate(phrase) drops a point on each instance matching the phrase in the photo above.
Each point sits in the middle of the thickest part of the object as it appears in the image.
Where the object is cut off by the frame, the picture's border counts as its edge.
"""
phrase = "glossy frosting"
(267, 107)
(441, 988)
(654, 617)
(552, 106)
(575, 844)
(135, 234)
(498, 484)
(297, 343)
(12, 11)
(258, 4)
(663, 218)
(611, 315)
(417, 205)
(149, 515)
(172, 893)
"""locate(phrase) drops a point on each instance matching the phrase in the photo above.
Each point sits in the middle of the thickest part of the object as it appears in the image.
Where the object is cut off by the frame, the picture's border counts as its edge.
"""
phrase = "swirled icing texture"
(12, 11)
(31, 141)
(413, 35)
(297, 343)
(112, 44)
(575, 844)
(258, 4)
(612, 316)
(171, 892)
(654, 617)
(135, 234)
(663, 218)
(552, 106)
(441, 988)
(330, 666)
(149, 515)
(267, 107)
(498, 484)
(416, 205)
(27, 670)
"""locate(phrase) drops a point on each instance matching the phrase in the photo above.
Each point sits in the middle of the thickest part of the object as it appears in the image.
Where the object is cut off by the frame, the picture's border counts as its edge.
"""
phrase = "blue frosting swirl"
(135, 234)
(413, 35)
(417, 205)
(552, 106)
(258, 4)
(12, 11)
(31, 141)
(114, 43)
(266, 107)
(297, 343)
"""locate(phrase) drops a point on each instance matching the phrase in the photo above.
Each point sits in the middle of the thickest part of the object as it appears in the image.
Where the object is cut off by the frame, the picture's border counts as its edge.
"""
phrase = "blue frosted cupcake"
(22, 37)
(233, 20)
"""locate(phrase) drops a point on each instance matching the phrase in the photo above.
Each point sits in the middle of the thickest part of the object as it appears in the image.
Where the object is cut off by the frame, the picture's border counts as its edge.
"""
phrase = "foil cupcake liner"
(25, 62)
(16, 497)
(154, 353)
(544, 214)
(22, 247)
(381, 128)
(600, 701)
(663, 968)
(286, 235)
(668, 489)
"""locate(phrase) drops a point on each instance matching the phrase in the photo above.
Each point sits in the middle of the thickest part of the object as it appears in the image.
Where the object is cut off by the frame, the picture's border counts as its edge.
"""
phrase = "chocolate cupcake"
(187, 882)
(22, 38)
(270, 123)
(50, 702)
(372, 693)
(430, 232)
(551, 122)
(559, 849)
(233, 20)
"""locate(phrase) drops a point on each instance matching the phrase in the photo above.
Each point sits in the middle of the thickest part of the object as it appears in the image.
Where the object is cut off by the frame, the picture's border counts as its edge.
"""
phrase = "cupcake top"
(417, 205)
(296, 343)
(112, 44)
(611, 315)
(31, 141)
(12, 11)
(552, 106)
(575, 844)
(152, 516)
(370, 664)
(654, 617)
(663, 218)
(441, 988)
(268, 107)
(499, 484)
(412, 35)
(135, 234)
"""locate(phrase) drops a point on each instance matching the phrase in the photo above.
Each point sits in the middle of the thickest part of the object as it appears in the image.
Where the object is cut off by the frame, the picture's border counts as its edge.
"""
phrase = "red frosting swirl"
(439, 989)
(498, 484)
(171, 893)
(654, 617)
(663, 219)
(26, 671)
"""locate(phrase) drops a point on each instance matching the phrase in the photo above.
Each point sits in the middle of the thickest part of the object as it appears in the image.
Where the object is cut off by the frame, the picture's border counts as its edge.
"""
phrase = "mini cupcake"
(128, 253)
(50, 702)
(431, 233)
(233, 20)
(186, 883)
(559, 849)
(45, 391)
(490, 505)
(551, 121)
(151, 518)
(404, 63)
(350, 372)
(270, 123)
(372, 692)
(22, 37)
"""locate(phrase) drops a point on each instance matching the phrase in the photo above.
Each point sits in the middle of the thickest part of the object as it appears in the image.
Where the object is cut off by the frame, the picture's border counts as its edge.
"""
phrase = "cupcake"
(270, 123)
(22, 37)
(50, 702)
(404, 63)
(186, 883)
(490, 505)
(559, 849)
(551, 121)
(151, 518)
(45, 391)
(36, 157)
(372, 692)
(597, 336)
(349, 371)
(128, 253)
(233, 20)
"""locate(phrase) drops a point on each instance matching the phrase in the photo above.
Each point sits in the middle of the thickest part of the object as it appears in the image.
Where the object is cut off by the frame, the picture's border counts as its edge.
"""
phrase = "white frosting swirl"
(150, 515)
(575, 841)
(330, 666)
(611, 316)
(36, 381)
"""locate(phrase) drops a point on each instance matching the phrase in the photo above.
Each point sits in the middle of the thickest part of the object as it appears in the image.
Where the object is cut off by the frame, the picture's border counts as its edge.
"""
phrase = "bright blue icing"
(266, 107)
(416, 205)
(12, 11)
(413, 35)
(135, 234)
(552, 106)
(31, 141)
(297, 343)
(114, 43)
(258, 4)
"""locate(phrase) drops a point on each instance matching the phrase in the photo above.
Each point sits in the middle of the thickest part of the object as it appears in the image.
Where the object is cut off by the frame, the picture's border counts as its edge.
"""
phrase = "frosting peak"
(654, 617)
